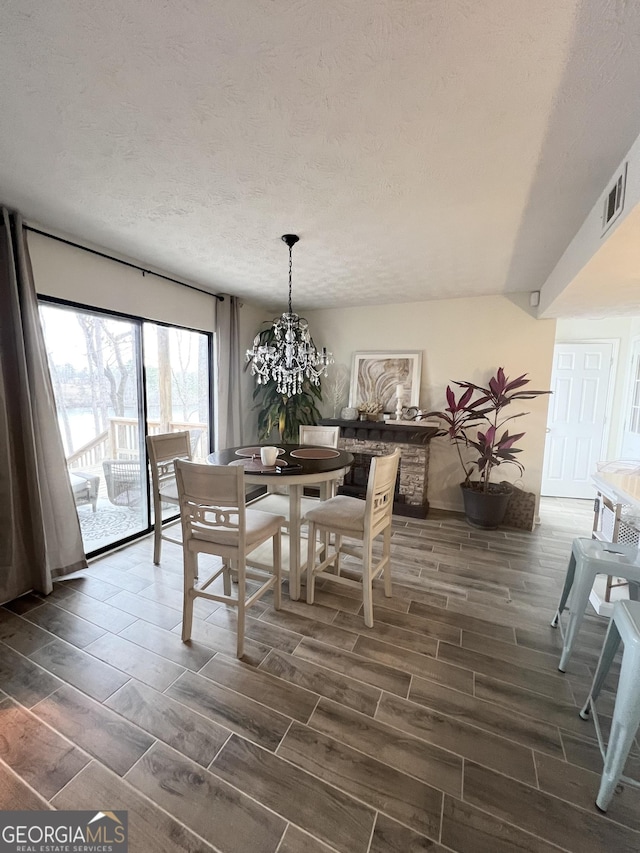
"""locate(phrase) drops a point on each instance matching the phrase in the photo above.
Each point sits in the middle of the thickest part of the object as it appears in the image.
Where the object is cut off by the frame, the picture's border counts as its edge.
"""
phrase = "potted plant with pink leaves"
(475, 422)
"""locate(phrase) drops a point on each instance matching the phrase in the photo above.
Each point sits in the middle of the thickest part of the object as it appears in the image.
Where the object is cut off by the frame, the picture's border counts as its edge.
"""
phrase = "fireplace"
(356, 479)
(366, 439)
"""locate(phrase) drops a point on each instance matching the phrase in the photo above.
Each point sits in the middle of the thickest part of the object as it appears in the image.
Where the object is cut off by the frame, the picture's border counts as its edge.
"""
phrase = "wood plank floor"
(445, 727)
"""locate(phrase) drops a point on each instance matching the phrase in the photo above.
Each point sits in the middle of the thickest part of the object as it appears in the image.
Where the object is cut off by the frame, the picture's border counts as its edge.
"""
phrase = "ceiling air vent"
(614, 200)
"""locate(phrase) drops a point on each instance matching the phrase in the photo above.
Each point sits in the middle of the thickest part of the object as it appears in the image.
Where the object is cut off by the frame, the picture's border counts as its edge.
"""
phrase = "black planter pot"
(485, 509)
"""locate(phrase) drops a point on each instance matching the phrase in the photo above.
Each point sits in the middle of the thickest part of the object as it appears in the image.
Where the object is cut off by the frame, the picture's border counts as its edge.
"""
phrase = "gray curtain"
(39, 530)
(229, 359)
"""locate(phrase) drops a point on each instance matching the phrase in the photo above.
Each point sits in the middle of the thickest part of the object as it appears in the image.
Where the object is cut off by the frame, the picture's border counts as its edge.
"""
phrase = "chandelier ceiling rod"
(290, 240)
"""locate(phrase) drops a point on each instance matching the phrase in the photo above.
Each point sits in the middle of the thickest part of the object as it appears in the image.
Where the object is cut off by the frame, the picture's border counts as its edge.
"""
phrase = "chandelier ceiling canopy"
(286, 353)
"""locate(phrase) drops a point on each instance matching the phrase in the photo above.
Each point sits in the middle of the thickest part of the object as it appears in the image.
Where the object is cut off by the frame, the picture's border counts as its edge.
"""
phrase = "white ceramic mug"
(268, 456)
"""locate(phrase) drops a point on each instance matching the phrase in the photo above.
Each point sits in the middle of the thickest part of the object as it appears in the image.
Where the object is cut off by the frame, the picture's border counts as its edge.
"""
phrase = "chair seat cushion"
(78, 484)
(339, 513)
(82, 483)
(258, 526)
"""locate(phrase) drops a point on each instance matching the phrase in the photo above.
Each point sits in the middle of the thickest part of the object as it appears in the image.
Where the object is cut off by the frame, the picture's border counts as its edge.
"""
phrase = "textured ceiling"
(421, 149)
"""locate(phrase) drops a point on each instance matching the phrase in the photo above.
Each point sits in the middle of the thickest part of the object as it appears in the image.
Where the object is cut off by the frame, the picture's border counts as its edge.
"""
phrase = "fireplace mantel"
(376, 438)
(390, 432)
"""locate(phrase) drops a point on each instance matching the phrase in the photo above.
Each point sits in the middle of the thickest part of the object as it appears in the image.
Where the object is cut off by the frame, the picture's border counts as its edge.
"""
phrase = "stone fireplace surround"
(377, 438)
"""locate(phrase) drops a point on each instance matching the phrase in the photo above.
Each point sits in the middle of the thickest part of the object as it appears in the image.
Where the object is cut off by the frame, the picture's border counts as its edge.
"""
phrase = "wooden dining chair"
(215, 521)
(320, 436)
(352, 518)
(163, 449)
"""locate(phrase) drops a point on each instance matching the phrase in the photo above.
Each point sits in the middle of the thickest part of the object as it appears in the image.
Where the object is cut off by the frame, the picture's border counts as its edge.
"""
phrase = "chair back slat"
(211, 500)
(321, 436)
(204, 520)
(380, 490)
(163, 450)
(211, 485)
(168, 446)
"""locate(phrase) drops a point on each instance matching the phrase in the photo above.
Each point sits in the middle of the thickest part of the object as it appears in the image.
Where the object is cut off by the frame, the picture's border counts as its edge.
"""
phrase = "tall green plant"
(275, 411)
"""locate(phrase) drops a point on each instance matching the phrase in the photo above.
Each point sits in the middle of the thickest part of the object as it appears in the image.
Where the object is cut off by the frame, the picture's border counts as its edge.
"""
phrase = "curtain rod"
(120, 261)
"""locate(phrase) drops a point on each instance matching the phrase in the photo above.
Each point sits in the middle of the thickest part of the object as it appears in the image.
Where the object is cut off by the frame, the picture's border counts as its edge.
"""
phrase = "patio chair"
(124, 482)
(85, 488)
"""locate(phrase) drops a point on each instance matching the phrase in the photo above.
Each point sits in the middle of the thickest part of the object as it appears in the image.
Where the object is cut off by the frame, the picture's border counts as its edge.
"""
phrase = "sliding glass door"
(115, 380)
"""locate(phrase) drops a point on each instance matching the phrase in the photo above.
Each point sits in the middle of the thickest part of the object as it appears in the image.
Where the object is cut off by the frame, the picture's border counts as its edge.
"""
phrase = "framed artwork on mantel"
(378, 375)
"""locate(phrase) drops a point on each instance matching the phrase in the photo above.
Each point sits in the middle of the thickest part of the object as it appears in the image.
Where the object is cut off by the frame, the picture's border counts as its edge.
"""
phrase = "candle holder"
(399, 408)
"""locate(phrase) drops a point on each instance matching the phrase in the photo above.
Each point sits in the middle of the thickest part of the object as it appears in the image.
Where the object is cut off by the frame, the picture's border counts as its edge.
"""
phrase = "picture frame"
(376, 375)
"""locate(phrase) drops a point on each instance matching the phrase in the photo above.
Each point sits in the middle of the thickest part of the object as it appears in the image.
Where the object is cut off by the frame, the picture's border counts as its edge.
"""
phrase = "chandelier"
(286, 352)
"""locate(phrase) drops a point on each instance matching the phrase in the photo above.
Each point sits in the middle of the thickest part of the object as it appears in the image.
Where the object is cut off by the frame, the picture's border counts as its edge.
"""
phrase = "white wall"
(466, 339)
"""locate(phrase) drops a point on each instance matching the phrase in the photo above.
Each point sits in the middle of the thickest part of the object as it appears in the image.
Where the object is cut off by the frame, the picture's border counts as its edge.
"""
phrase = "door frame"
(633, 343)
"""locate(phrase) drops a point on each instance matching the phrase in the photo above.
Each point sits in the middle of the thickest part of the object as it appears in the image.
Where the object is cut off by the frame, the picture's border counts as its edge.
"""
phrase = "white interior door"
(631, 435)
(577, 418)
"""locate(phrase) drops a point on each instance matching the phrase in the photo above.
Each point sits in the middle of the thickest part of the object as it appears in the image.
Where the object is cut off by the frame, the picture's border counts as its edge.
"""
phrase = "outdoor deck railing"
(120, 441)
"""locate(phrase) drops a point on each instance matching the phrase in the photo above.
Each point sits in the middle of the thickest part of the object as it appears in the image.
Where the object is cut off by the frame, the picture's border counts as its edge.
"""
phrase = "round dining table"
(297, 466)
